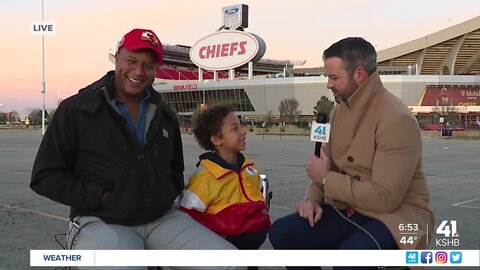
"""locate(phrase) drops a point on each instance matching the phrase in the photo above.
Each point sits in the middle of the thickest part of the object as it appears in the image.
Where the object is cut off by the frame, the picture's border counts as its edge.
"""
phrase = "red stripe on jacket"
(235, 219)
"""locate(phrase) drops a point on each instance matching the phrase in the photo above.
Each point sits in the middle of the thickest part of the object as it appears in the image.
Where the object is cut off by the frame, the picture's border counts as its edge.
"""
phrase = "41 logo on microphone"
(320, 132)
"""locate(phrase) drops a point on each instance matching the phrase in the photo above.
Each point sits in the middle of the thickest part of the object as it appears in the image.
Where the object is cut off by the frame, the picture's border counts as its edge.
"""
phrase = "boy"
(224, 193)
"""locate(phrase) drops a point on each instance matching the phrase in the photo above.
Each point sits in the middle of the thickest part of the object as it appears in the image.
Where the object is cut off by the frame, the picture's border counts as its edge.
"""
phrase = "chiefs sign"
(226, 50)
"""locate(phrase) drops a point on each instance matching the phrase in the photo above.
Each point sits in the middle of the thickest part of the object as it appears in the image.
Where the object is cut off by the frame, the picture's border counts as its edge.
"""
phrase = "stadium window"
(217, 96)
(191, 96)
(180, 97)
(211, 95)
(222, 96)
(191, 106)
(199, 96)
(231, 95)
(238, 96)
(228, 95)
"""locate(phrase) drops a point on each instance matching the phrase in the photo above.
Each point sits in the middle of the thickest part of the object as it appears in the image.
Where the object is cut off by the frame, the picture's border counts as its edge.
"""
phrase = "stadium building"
(437, 76)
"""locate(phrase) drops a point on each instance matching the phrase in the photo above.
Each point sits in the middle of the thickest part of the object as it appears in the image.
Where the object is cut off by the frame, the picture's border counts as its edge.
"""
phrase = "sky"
(86, 30)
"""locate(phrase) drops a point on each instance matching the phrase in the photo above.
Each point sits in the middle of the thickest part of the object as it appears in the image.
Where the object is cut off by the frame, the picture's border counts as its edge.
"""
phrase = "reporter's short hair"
(354, 52)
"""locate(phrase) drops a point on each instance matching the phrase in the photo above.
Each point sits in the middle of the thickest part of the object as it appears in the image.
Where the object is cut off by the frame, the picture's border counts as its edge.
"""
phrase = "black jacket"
(88, 150)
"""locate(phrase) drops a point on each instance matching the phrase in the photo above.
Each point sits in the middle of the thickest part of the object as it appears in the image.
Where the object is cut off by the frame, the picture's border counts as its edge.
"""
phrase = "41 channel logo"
(320, 132)
(412, 257)
(447, 229)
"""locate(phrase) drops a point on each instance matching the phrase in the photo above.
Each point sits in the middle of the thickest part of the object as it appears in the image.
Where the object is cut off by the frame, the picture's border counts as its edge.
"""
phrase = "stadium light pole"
(43, 76)
(56, 99)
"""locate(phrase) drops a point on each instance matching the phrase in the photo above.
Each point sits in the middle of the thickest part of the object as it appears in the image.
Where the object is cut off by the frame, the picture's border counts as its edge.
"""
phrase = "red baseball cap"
(142, 39)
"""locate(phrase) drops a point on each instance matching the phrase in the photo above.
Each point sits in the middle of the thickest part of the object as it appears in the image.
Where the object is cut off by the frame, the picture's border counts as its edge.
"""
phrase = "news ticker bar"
(426, 258)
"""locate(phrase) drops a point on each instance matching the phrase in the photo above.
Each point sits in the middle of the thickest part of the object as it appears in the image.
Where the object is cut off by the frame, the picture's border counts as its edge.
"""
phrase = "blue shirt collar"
(138, 129)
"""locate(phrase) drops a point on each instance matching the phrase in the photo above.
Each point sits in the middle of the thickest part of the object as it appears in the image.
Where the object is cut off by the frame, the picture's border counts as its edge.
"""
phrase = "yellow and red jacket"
(226, 200)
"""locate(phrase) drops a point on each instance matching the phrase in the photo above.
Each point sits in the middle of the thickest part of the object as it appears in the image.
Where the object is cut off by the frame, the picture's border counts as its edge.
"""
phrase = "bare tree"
(35, 117)
(50, 116)
(3, 117)
(288, 109)
(268, 117)
(14, 116)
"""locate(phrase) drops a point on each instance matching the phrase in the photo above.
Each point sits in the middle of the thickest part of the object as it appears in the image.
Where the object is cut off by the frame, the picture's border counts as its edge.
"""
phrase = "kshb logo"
(43, 28)
(448, 229)
(320, 132)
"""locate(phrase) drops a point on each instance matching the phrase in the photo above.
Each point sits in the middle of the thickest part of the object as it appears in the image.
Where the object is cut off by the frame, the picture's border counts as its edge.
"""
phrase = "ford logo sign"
(231, 10)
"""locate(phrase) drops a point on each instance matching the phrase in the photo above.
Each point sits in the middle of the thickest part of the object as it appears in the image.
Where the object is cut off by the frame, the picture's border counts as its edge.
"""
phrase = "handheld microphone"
(322, 119)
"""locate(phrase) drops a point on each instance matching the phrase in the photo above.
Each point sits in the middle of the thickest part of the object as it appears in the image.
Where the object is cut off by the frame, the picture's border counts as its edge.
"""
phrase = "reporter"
(371, 169)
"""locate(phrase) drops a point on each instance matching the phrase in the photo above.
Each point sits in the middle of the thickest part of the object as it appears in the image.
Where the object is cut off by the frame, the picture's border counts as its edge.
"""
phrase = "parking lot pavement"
(29, 221)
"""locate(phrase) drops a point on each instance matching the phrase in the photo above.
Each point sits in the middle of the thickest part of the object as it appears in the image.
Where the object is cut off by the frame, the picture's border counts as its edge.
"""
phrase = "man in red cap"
(113, 153)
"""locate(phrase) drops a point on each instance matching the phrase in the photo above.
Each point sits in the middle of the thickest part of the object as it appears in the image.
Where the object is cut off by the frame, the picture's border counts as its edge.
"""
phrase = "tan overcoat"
(375, 150)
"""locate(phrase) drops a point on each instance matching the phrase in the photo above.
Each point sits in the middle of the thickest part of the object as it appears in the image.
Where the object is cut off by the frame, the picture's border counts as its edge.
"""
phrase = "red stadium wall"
(451, 96)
